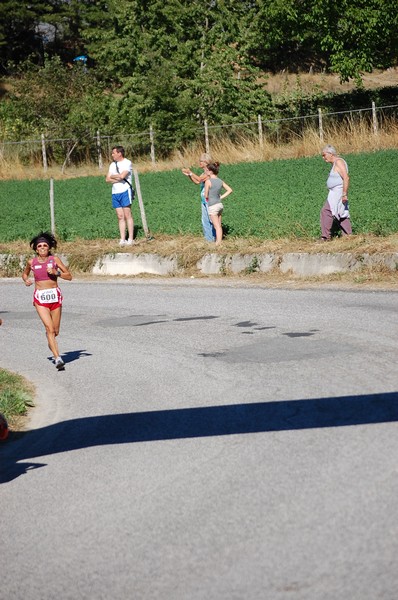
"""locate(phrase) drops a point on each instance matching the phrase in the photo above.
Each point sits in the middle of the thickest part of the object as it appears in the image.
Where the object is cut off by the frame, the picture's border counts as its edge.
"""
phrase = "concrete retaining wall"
(135, 264)
(299, 264)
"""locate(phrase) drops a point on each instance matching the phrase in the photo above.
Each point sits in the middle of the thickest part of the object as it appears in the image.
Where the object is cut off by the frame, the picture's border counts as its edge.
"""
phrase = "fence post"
(140, 202)
(374, 117)
(151, 137)
(207, 145)
(52, 215)
(99, 150)
(43, 151)
(320, 124)
(260, 131)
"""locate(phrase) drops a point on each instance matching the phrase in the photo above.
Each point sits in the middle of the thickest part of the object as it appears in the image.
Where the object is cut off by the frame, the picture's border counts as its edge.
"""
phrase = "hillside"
(284, 83)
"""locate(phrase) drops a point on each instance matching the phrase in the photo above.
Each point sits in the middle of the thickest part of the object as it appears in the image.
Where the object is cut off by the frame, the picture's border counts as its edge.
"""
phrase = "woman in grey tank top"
(213, 196)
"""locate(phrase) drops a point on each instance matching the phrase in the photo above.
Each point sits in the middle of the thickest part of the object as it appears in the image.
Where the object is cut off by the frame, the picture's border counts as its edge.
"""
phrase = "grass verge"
(271, 201)
(16, 396)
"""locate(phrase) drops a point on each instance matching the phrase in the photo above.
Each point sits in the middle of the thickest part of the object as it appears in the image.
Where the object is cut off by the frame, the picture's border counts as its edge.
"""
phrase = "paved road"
(204, 442)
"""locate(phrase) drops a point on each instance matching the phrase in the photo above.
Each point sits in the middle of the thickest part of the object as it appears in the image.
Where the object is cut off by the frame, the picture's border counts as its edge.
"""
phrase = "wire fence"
(95, 149)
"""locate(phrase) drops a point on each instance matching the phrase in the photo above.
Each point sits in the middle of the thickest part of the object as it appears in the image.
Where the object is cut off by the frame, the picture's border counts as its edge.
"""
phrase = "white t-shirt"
(122, 165)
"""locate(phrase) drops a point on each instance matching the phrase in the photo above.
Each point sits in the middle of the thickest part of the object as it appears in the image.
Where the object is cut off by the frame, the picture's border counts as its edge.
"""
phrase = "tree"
(174, 64)
(281, 35)
(18, 31)
(348, 37)
(38, 28)
(177, 63)
(358, 36)
(56, 100)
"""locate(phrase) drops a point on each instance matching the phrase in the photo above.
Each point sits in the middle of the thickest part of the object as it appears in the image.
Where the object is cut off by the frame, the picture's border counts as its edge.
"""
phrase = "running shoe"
(59, 363)
(122, 243)
(130, 243)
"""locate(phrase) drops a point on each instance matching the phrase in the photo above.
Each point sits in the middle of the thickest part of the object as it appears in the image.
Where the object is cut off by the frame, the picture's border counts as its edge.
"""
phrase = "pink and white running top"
(39, 269)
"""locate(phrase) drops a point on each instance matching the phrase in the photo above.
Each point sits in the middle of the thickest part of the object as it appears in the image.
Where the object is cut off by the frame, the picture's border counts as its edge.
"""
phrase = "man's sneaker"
(59, 363)
(130, 243)
(122, 243)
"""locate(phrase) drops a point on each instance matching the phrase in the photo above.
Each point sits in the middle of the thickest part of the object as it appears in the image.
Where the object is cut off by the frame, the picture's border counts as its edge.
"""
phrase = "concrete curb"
(300, 264)
(135, 264)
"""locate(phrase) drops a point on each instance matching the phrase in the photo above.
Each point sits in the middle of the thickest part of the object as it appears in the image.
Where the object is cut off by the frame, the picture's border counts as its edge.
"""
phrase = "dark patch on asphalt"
(282, 349)
(245, 324)
(137, 320)
(196, 318)
(148, 323)
(296, 334)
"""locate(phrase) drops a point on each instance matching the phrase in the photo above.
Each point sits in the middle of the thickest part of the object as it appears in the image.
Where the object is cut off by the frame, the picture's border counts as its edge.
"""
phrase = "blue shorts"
(121, 200)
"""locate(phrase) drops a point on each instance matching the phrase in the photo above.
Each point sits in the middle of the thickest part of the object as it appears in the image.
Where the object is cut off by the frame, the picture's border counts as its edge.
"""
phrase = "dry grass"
(282, 84)
(16, 170)
(348, 138)
(367, 279)
(18, 424)
(83, 254)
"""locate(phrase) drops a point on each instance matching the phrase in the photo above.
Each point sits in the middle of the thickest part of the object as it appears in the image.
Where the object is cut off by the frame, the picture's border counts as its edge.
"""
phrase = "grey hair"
(330, 149)
(205, 158)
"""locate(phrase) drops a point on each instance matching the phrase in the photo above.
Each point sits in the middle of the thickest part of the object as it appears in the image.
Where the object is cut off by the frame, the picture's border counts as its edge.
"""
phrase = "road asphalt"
(205, 440)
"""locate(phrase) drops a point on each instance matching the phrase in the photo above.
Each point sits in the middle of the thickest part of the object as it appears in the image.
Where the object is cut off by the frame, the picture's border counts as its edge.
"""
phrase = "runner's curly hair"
(44, 236)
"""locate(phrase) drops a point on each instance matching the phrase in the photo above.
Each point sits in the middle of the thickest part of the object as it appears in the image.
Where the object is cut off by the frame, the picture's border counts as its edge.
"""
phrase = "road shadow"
(71, 356)
(74, 355)
(261, 417)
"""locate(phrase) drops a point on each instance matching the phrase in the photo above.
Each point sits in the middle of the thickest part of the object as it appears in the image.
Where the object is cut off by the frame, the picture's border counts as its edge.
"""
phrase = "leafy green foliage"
(358, 36)
(32, 30)
(270, 200)
(18, 23)
(53, 99)
(174, 64)
(281, 35)
(347, 37)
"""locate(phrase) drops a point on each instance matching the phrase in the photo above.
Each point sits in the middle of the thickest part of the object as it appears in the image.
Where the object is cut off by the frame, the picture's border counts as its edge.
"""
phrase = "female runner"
(47, 297)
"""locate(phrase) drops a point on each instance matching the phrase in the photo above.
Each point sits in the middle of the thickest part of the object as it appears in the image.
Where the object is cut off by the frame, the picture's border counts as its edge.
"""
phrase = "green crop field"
(271, 200)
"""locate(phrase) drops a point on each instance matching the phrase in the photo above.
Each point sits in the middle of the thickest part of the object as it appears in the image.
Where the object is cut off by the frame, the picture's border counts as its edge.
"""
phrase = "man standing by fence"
(120, 175)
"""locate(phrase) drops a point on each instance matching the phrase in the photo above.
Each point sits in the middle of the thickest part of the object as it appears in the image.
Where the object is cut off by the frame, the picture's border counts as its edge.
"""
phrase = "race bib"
(47, 296)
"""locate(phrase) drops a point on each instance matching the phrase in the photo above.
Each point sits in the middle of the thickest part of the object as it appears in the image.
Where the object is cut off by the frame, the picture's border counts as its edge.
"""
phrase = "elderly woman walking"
(335, 210)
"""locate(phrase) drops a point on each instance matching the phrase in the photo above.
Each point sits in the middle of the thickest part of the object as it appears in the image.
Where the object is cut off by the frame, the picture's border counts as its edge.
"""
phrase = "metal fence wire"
(149, 144)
